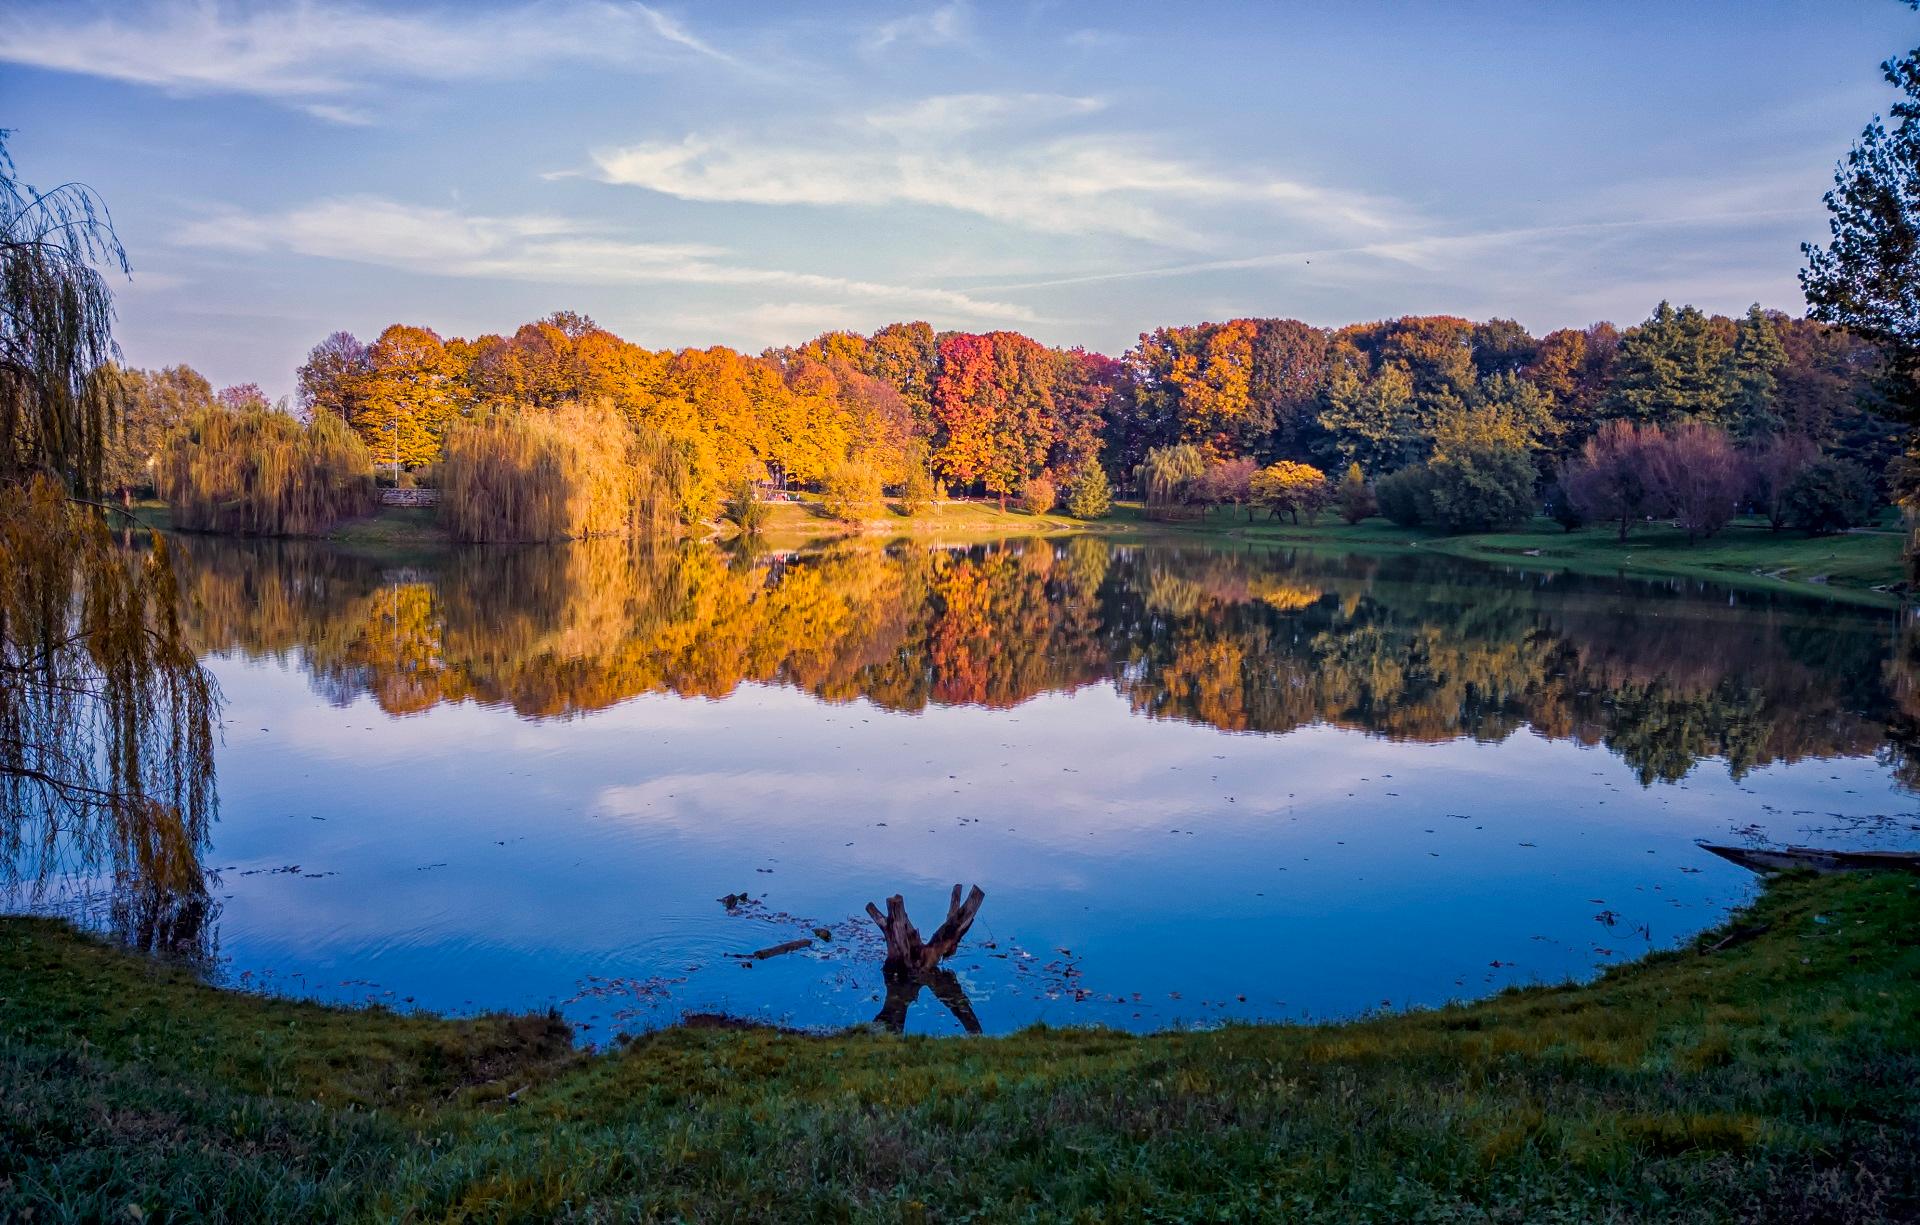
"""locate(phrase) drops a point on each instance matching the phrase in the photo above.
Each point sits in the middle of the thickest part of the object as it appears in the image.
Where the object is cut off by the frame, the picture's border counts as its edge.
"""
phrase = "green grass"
(1778, 1078)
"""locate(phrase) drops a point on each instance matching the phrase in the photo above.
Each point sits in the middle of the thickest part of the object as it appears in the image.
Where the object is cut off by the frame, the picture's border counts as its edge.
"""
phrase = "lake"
(1198, 783)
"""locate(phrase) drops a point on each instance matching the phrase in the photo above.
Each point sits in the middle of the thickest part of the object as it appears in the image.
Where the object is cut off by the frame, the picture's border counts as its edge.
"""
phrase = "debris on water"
(823, 933)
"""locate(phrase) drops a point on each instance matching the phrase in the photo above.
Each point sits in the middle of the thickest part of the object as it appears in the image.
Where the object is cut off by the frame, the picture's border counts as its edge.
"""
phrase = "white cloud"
(954, 152)
(541, 248)
(934, 27)
(323, 49)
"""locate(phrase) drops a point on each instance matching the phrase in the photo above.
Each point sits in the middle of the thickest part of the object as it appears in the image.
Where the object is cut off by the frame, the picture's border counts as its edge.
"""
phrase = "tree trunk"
(906, 950)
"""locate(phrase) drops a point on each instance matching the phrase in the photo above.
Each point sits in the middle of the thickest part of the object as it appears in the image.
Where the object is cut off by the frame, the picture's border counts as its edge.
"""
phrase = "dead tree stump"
(913, 963)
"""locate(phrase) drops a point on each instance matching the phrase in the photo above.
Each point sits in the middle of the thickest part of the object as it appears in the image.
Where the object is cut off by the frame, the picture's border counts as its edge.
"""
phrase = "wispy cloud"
(312, 53)
(934, 27)
(981, 154)
(542, 248)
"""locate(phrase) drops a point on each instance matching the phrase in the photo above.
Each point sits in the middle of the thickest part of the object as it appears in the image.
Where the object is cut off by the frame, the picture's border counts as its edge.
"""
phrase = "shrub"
(1404, 496)
(531, 476)
(259, 471)
(1090, 496)
(849, 489)
(1829, 495)
(916, 491)
(1288, 487)
(1355, 496)
(1772, 466)
(1038, 494)
(744, 509)
(1227, 482)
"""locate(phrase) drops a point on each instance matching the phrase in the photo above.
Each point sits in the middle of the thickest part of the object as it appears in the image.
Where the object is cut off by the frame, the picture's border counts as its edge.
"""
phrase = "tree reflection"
(1254, 640)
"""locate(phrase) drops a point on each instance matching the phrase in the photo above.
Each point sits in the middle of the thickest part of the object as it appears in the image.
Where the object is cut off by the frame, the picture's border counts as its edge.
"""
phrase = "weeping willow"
(106, 722)
(1166, 476)
(260, 472)
(575, 472)
(106, 718)
(56, 328)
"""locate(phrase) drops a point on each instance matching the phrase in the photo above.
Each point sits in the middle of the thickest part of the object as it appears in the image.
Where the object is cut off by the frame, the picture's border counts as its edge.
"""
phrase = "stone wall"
(409, 497)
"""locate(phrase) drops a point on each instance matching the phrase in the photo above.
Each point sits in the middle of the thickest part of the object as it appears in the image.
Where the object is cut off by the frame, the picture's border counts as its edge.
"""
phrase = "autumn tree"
(994, 408)
(1772, 464)
(1289, 369)
(1289, 487)
(1611, 480)
(1167, 478)
(152, 403)
(1227, 482)
(1370, 417)
(1693, 471)
(408, 396)
(329, 381)
(1355, 496)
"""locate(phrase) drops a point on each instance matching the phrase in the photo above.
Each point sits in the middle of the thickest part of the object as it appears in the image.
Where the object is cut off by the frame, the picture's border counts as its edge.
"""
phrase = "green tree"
(1371, 420)
(744, 509)
(152, 404)
(1671, 366)
(1089, 496)
(1481, 476)
(1753, 382)
(1829, 495)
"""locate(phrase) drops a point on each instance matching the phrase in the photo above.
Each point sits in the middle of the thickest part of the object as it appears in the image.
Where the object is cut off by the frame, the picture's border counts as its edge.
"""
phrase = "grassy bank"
(1777, 1077)
(1851, 566)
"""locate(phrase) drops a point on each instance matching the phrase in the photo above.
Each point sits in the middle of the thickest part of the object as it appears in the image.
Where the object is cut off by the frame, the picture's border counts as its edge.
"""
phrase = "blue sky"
(753, 174)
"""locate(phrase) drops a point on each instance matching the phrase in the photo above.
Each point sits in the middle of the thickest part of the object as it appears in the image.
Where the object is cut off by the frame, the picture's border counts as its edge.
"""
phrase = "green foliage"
(744, 509)
(1090, 495)
(1481, 475)
(1828, 495)
(151, 405)
(1753, 376)
(1406, 496)
(1038, 494)
(1167, 477)
(1671, 366)
(1776, 1077)
(536, 475)
(260, 472)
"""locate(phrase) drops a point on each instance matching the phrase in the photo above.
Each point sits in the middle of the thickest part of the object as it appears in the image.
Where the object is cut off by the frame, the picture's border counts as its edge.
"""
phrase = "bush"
(1038, 494)
(1404, 495)
(849, 489)
(530, 476)
(916, 491)
(744, 509)
(1090, 496)
(259, 471)
(1355, 496)
(1829, 495)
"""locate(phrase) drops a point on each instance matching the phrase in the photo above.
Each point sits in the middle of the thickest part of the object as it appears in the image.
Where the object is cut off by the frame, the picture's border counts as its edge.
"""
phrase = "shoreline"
(1773, 1061)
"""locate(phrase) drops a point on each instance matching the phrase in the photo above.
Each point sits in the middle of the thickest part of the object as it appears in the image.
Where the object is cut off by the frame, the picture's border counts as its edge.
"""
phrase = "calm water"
(1195, 783)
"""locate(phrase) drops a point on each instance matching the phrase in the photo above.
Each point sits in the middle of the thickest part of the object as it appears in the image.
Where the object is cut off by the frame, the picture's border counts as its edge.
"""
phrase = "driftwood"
(791, 946)
(905, 950)
(1787, 859)
(913, 963)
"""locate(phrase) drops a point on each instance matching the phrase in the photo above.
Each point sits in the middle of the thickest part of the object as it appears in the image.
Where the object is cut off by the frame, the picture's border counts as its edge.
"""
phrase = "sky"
(753, 174)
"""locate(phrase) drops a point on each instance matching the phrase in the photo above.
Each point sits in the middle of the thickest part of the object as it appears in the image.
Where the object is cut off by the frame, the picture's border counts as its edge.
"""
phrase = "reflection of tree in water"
(1250, 640)
(106, 731)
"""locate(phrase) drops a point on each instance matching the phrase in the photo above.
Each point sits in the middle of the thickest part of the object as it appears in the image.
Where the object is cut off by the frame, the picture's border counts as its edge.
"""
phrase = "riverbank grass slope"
(1769, 1072)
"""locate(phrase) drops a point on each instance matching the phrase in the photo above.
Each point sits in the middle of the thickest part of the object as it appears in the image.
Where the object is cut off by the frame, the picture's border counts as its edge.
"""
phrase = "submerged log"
(913, 963)
(906, 950)
(1790, 858)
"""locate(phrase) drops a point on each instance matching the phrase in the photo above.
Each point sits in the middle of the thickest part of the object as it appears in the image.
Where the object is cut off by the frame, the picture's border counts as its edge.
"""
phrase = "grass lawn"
(1774, 1078)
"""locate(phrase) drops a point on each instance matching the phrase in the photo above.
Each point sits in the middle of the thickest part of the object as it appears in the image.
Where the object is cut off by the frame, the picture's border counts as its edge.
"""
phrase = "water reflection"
(1254, 640)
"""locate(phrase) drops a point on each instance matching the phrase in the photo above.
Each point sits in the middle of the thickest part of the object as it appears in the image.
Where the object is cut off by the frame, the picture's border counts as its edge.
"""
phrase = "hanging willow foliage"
(260, 472)
(56, 328)
(578, 471)
(106, 722)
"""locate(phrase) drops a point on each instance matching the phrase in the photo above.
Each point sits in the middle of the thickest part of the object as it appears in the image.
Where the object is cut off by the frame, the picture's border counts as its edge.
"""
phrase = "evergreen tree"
(1753, 383)
(1671, 366)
